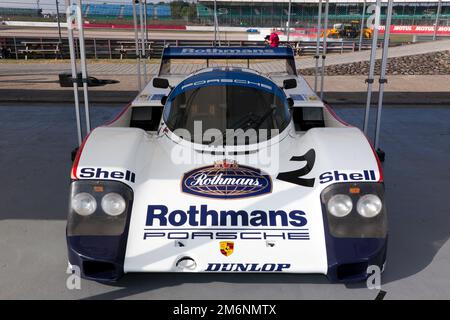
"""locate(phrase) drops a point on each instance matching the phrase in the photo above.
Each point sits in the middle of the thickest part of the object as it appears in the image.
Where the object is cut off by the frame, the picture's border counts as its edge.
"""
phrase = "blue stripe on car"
(227, 77)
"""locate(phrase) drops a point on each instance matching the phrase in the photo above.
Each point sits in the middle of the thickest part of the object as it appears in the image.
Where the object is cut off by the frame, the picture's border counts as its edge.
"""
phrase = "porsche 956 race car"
(227, 161)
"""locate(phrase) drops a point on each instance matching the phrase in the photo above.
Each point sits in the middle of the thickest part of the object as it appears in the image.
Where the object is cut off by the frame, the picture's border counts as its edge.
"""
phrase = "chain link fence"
(232, 14)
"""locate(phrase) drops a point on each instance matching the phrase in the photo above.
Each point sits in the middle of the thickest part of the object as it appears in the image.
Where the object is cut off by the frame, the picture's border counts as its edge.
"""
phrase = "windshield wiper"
(236, 126)
(263, 118)
(251, 124)
(247, 120)
(222, 137)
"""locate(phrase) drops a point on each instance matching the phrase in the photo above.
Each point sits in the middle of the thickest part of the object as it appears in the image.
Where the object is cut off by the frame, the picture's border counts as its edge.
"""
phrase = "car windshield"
(223, 107)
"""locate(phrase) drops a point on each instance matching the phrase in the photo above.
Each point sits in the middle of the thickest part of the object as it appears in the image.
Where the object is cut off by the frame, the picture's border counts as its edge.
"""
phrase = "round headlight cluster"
(368, 206)
(84, 204)
(112, 204)
(340, 205)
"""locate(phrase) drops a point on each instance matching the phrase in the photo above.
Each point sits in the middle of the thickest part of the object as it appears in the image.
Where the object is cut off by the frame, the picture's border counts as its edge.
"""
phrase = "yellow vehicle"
(348, 31)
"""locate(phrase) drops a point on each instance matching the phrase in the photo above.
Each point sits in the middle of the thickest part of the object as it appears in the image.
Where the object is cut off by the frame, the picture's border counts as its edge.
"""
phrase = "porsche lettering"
(230, 235)
(226, 81)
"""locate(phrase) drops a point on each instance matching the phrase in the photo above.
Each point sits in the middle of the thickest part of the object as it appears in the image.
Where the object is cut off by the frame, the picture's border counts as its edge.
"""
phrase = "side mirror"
(164, 100)
(290, 102)
(289, 84)
(160, 83)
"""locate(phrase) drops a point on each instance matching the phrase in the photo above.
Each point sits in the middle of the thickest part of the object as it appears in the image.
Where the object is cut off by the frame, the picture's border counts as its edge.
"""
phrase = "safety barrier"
(125, 48)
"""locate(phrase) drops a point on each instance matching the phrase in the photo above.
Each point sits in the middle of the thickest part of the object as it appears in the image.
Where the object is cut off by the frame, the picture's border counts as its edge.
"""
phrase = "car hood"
(271, 218)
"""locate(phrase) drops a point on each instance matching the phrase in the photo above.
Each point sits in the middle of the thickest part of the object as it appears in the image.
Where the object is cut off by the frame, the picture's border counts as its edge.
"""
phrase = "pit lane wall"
(426, 30)
(87, 24)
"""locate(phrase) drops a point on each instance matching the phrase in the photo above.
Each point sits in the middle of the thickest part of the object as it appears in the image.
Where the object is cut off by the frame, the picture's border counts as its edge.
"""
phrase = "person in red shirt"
(274, 41)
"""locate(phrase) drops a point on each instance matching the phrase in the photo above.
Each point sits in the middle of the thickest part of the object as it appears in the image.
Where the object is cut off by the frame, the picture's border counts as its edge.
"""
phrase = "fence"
(124, 48)
(243, 14)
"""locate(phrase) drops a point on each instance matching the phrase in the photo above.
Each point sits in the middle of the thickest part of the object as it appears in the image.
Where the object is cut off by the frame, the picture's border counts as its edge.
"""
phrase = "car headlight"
(99, 208)
(84, 204)
(113, 204)
(340, 205)
(355, 209)
(369, 205)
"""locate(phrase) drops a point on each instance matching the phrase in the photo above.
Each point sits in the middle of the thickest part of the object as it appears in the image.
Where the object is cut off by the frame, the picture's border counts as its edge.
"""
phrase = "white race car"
(236, 166)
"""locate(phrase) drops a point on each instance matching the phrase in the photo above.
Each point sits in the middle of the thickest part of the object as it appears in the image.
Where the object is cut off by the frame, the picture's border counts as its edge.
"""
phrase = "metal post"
(436, 24)
(324, 48)
(59, 29)
(15, 48)
(95, 49)
(373, 53)
(215, 22)
(73, 64)
(382, 79)
(109, 48)
(136, 41)
(77, 56)
(289, 21)
(145, 21)
(316, 56)
(83, 68)
(141, 21)
(362, 26)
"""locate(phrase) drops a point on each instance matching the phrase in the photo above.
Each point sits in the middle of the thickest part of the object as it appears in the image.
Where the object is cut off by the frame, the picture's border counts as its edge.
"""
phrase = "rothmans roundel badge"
(226, 248)
(226, 179)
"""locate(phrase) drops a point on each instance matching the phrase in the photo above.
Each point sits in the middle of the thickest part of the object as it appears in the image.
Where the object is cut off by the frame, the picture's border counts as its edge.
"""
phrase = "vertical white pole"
(69, 19)
(373, 53)
(215, 22)
(83, 68)
(289, 21)
(59, 30)
(362, 26)
(383, 80)
(316, 56)
(324, 48)
(436, 23)
(145, 20)
(136, 42)
(141, 21)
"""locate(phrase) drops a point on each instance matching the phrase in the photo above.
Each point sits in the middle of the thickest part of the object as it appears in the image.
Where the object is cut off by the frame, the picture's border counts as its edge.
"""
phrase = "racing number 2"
(296, 175)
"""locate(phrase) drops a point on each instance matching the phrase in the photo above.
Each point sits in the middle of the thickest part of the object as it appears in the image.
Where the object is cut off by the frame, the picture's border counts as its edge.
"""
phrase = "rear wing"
(226, 53)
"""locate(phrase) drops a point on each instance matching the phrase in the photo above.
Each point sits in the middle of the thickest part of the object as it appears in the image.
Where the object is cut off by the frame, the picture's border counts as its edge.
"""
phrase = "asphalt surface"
(39, 32)
(35, 145)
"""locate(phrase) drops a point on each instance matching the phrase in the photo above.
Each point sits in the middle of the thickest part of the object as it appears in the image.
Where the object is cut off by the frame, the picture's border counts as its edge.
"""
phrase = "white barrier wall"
(296, 34)
(34, 24)
(211, 28)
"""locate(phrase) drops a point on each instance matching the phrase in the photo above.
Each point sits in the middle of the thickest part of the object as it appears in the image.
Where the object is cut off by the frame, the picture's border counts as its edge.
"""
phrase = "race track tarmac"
(35, 146)
(27, 32)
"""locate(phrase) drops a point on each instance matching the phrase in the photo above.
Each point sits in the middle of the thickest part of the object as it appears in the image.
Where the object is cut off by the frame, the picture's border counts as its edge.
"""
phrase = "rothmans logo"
(228, 51)
(226, 180)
